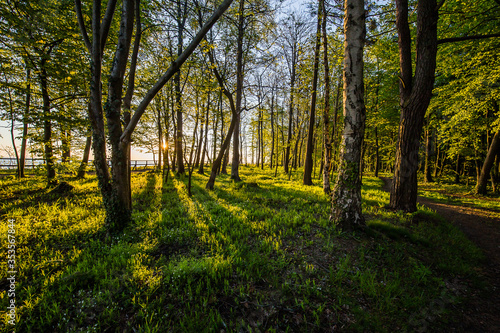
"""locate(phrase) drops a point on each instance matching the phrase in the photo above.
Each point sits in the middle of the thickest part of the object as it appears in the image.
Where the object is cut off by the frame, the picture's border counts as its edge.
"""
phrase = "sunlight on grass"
(258, 255)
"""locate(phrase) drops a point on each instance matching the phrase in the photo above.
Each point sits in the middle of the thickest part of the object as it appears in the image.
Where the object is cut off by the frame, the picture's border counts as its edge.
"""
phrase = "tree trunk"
(239, 93)
(160, 139)
(415, 95)
(493, 151)
(116, 194)
(202, 161)
(290, 116)
(457, 170)
(25, 125)
(346, 199)
(326, 111)
(377, 155)
(217, 162)
(47, 127)
(436, 163)
(272, 130)
(65, 145)
(86, 153)
(428, 148)
(308, 165)
(181, 19)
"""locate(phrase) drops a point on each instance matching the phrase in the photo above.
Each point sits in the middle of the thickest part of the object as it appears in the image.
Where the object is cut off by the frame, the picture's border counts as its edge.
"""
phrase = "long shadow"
(145, 196)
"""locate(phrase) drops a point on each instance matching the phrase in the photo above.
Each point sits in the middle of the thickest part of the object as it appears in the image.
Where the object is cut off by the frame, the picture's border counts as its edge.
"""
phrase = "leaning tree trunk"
(415, 94)
(85, 160)
(493, 151)
(346, 199)
(308, 165)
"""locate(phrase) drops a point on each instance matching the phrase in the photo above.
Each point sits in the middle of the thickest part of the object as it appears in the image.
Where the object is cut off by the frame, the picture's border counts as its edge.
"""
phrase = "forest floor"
(260, 255)
(481, 313)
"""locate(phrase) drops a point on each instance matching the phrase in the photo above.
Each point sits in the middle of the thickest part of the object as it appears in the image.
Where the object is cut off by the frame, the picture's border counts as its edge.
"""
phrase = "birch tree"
(346, 199)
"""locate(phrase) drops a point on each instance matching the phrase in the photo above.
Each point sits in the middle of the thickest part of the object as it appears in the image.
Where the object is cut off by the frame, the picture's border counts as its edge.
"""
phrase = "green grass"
(460, 194)
(256, 256)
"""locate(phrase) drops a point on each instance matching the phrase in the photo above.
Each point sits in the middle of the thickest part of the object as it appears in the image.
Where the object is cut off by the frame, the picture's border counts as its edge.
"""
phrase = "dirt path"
(482, 311)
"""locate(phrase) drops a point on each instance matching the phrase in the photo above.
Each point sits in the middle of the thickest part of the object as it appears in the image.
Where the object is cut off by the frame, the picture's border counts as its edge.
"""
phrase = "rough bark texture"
(308, 165)
(346, 199)
(415, 95)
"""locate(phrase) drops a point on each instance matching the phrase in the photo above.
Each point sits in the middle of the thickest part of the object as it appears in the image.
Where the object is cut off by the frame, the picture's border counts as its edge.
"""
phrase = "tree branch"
(106, 22)
(459, 39)
(81, 24)
(176, 65)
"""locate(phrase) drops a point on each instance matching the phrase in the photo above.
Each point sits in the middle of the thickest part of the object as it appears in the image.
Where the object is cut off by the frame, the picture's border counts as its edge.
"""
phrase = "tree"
(326, 109)
(415, 91)
(308, 166)
(115, 188)
(346, 198)
(293, 31)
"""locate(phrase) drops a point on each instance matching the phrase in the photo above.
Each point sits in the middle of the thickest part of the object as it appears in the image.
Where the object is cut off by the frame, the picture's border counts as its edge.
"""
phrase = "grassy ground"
(446, 191)
(259, 256)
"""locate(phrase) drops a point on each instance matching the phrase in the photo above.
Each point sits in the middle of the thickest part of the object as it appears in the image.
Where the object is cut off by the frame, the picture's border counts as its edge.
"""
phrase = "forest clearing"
(258, 255)
(249, 166)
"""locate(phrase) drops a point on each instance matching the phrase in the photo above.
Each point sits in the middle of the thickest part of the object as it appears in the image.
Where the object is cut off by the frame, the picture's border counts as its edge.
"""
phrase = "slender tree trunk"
(239, 93)
(346, 199)
(415, 95)
(181, 19)
(217, 162)
(160, 138)
(290, 114)
(82, 169)
(12, 136)
(272, 130)
(308, 165)
(261, 126)
(65, 145)
(493, 151)
(335, 140)
(377, 156)
(25, 125)
(327, 154)
(428, 148)
(457, 170)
